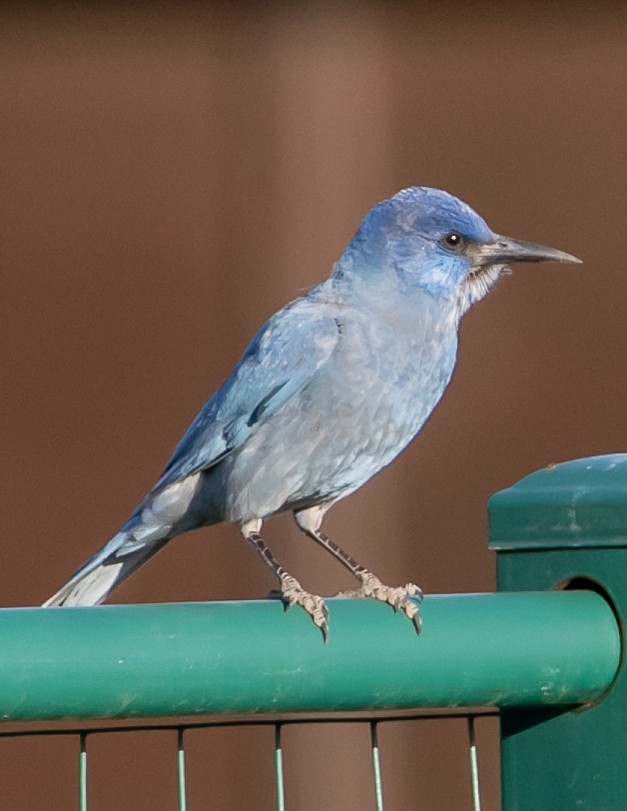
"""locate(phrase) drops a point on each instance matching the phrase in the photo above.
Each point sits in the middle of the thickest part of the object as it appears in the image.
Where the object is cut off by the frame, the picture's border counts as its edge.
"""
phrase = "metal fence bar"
(474, 766)
(278, 769)
(193, 658)
(180, 769)
(380, 718)
(82, 772)
(376, 766)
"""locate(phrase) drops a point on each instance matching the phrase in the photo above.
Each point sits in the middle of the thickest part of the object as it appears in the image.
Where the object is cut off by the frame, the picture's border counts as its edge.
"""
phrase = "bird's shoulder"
(307, 324)
(282, 357)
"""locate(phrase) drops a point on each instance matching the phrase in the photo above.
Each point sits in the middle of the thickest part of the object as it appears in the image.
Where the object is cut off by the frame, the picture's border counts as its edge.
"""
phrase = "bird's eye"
(453, 241)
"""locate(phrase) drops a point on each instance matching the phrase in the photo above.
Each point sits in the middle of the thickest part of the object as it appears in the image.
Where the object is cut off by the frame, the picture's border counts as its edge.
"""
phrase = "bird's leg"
(398, 597)
(291, 591)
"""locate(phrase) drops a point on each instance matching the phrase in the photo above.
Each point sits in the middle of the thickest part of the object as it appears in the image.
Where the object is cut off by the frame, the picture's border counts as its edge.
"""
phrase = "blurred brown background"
(173, 174)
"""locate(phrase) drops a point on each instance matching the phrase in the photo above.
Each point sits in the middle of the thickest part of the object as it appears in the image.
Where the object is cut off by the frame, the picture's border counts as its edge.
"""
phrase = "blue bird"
(328, 392)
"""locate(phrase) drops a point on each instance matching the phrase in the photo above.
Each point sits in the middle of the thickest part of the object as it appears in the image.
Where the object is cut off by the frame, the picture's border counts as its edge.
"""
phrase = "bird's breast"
(357, 412)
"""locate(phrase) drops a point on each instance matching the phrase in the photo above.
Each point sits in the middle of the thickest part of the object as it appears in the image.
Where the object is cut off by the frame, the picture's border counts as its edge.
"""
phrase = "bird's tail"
(116, 561)
(158, 518)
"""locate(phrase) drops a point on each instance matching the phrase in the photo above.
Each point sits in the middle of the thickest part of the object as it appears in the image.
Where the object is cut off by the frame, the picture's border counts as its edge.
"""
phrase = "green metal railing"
(547, 651)
(252, 657)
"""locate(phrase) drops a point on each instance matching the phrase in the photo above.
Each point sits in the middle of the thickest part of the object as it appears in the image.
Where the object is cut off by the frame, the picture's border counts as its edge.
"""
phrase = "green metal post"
(566, 524)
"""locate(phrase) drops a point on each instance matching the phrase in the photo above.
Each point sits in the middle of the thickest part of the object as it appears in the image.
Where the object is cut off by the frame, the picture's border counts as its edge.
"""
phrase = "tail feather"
(116, 561)
(159, 517)
(88, 588)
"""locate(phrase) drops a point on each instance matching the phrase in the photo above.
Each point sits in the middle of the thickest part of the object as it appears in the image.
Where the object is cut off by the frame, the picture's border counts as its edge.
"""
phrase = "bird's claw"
(395, 596)
(292, 593)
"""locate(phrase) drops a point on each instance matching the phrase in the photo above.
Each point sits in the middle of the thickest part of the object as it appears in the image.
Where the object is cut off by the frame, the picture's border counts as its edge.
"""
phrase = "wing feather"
(283, 356)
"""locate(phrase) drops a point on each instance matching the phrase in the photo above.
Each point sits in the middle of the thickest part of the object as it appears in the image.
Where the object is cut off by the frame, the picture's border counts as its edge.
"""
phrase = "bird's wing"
(284, 355)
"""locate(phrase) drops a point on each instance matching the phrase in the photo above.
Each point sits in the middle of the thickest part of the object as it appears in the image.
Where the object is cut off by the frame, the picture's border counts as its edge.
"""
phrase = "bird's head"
(429, 239)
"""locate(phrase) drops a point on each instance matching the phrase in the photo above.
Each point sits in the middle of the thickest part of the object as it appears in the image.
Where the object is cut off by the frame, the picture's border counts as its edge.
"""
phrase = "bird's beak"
(503, 250)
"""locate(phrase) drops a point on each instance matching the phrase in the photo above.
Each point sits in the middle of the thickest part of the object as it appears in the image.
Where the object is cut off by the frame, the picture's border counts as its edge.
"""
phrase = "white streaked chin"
(477, 285)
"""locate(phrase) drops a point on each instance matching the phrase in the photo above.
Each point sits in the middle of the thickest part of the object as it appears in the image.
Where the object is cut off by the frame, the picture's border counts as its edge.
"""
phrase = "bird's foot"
(292, 593)
(395, 596)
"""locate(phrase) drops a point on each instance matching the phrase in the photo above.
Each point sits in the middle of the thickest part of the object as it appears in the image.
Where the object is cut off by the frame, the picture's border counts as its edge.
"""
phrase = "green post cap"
(582, 503)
